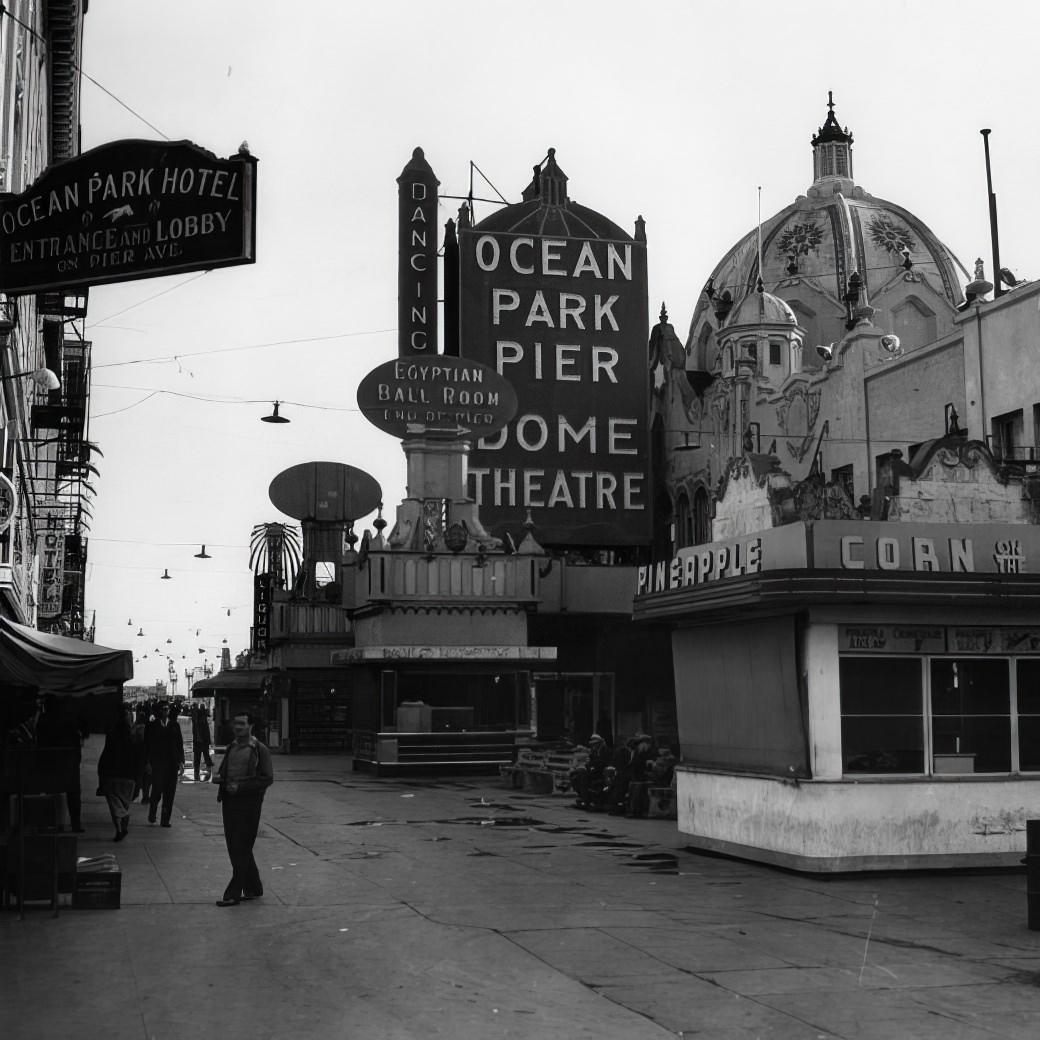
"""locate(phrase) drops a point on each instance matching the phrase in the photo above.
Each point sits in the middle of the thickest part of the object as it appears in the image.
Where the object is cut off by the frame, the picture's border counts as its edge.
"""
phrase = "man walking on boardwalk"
(165, 749)
(244, 776)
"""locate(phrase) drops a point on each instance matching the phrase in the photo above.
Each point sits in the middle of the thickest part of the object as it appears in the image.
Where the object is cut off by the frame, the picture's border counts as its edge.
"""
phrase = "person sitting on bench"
(587, 780)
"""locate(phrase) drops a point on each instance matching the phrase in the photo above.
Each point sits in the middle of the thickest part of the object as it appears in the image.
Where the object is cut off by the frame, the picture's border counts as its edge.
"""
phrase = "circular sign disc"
(412, 396)
(331, 491)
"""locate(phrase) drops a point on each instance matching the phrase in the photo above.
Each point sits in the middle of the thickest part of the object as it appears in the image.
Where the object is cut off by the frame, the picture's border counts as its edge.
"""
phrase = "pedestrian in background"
(143, 786)
(165, 747)
(201, 738)
(118, 769)
(244, 776)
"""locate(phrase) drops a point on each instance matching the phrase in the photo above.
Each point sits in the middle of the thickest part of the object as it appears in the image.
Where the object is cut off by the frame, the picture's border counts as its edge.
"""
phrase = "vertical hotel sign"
(417, 258)
(563, 316)
(50, 550)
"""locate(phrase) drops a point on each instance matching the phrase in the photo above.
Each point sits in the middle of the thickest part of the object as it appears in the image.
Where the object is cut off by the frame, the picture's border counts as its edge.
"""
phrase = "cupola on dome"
(808, 252)
(760, 308)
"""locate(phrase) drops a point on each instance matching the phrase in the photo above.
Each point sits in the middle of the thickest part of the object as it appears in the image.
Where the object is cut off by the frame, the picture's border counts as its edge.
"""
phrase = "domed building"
(769, 366)
(847, 475)
(827, 244)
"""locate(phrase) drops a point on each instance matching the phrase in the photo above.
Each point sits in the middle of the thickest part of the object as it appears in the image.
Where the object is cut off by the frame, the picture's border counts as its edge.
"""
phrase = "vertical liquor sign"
(554, 298)
(417, 258)
(261, 609)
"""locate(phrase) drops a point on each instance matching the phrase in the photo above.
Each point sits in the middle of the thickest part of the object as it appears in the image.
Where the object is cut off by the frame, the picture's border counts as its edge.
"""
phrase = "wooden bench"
(543, 772)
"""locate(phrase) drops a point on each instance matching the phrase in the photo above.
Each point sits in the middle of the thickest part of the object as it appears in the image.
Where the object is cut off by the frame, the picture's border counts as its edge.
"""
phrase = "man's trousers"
(241, 814)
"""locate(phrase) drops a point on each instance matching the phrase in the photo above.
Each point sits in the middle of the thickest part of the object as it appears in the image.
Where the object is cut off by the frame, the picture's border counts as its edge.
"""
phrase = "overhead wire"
(86, 75)
(247, 346)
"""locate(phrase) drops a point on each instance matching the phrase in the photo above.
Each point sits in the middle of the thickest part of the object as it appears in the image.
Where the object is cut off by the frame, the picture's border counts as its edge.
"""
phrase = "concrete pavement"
(426, 907)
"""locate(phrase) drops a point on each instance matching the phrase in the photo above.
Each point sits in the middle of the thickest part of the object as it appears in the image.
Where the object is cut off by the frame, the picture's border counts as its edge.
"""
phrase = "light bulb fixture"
(203, 555)
(140, 632)
(44, 378)
(274, 417)
(166, 575)
(130, 622)
(169, 640)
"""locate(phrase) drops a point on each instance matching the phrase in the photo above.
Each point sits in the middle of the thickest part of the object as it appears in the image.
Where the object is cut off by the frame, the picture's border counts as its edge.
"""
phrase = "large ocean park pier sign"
(126, 210)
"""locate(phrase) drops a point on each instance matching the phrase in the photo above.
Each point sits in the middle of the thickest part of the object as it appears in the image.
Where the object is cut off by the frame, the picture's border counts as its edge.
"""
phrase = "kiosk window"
(971, 712)
(882, 715)
(1029, 716)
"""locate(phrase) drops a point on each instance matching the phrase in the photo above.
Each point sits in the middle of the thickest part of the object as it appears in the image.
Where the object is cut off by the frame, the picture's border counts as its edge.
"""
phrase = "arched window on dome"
(914, 323)
(683, 522)
(727, 359)
(806, 318)
(705, 347)
(663, 529)
(701, 517)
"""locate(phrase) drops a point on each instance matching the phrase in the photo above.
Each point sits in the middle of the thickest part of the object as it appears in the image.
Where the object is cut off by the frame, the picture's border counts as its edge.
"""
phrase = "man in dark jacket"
(200, 738)
(587, 779)
(165, 748)
(244, 776)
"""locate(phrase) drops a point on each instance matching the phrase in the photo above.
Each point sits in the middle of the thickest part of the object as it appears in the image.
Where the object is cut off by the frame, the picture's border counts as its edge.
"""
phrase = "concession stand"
(856, 694)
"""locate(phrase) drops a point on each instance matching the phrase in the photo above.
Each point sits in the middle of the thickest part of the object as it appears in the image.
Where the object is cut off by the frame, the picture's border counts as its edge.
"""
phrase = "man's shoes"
(165, 823)
(151, 818)
(120, 835)
(227, 902)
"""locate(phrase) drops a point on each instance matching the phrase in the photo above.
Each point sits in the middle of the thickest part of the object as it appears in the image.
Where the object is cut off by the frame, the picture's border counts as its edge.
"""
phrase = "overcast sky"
(676, 111)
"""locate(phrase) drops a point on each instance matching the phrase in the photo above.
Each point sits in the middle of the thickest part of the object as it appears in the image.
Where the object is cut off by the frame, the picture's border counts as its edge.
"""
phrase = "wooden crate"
(98, 890)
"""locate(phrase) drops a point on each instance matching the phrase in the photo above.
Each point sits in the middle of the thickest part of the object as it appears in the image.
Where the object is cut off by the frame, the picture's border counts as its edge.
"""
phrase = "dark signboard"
(565, 320)
(439, 395)
(862, 545)
(331, 492)
(417, 258)
(125, 210)
(67, 418)
(262, 587)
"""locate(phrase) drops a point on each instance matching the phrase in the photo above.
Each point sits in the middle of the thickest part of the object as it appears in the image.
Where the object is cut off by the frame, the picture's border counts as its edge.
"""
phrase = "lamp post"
(44, 378)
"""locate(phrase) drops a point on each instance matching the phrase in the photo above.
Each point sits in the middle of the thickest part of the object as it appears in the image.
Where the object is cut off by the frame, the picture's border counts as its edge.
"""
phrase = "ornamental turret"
(832, 154)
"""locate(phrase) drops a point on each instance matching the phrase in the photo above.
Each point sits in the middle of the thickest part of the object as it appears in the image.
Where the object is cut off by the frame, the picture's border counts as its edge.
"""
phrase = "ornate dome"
(811, 249)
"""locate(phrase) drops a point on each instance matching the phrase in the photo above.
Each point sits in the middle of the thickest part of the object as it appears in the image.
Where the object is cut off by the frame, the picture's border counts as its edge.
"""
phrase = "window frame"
(1011, 663)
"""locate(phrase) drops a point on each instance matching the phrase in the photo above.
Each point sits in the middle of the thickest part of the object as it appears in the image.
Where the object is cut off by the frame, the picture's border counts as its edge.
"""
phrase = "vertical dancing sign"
(417, 258)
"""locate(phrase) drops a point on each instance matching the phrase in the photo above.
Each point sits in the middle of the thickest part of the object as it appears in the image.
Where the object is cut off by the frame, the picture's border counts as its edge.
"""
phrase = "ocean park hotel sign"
(127, 210)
